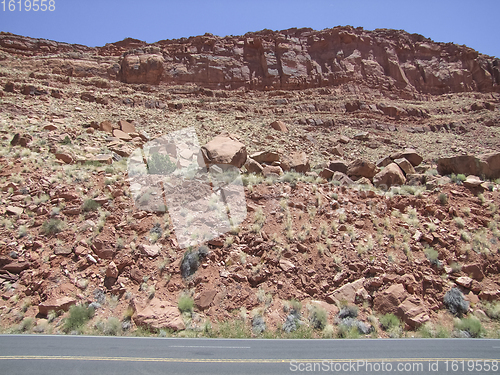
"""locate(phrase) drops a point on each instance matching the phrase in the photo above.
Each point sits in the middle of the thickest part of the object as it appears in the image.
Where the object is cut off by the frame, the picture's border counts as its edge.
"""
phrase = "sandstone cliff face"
(289, 59)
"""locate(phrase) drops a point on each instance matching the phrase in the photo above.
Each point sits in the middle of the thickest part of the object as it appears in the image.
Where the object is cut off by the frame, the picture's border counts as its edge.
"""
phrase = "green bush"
(235, 329)
(428, 330)
(295, 305)
(346, 332)
(78, 316)
(160, 164)
(185, 304)
(26, 325)
(492, 309)
(303, 331)
(90, 205)
(432, 255)
(443, 198)
(52, 226)
(318, 318)
(459, 222)
(458, 179)
(66, 141)
(112, 326)
(470, 325)
(389, 321)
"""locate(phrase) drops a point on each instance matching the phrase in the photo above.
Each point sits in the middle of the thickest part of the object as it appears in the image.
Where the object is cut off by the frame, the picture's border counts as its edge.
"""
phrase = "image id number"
(471, 366)
(28, 5)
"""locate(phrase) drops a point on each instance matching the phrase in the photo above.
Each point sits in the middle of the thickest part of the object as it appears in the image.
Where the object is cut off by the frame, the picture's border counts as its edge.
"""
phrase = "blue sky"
(95, 23)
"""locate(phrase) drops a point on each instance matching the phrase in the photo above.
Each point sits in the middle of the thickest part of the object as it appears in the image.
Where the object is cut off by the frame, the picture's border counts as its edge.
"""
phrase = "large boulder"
(203, 299)
(297, 161)
(413, 312)
(463, 164)
(487, 165)
(157, 314)
(342, 179)
(224, 149)
(338, 165)
(253, 166)
(409, 154)
(492, 168)
(142, 69)
(265, 157)
(412, 156)
(388, 301)
(405, 166)
(362, 168)
(280, 126)
(57, 304)
(349, 293)
(390, 175)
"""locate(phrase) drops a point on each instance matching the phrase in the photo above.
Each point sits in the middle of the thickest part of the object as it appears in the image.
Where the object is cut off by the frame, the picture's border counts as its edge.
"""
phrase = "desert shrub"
(295, 305)
(156, 230)
(349, 311)
(443, 198)
(352, 328)
(22, 231)
(90, 205)
(492, 309)
(26, 325)
(455, 302)
(458, 178)
(470, 325)
(292, 321)
(465, 236)
(344, 332)
(66, 141)
(191, 261)
(432, 255)
(78, 316)
(258, 324)
(234, 329)
(160, 164)
(52, 226)
(459, 222)
(318, 317)
(112, 326)
(389, 322)
(303, 331)
(428, 330)
(185, 304)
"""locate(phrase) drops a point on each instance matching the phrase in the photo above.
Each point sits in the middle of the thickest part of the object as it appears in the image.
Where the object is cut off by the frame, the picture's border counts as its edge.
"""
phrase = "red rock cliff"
(290, 59)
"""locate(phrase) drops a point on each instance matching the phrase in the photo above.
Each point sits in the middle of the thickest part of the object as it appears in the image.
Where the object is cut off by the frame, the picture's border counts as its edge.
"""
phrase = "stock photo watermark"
(366, 366)
(169, 174)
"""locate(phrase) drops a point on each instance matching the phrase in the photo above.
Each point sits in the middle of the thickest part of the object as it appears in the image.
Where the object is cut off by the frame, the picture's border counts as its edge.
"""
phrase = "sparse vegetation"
(78, 316)
(471, 326)
(52, 226)
(443, 198)
(432, 255)
(389, 322)
(160, 164)
(185, 304)
(429, 330)
(455, 302)
(90, 205)
(318, 317)
(459, 222)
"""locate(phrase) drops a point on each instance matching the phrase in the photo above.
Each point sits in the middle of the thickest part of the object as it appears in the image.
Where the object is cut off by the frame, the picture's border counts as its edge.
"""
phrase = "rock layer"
(287, 59)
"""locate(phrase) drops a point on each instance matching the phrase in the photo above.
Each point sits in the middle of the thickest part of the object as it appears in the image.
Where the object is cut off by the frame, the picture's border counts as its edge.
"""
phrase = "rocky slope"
(334, 235)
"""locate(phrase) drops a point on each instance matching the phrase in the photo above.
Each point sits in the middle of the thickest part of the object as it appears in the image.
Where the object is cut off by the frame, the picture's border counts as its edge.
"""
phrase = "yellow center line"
(229, 360)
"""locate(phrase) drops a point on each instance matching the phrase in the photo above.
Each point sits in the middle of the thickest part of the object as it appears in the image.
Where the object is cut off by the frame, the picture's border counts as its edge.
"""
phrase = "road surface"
(54, 355)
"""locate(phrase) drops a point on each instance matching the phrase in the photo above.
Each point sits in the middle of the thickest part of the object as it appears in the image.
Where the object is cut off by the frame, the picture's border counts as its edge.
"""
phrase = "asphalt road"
(44, 355)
